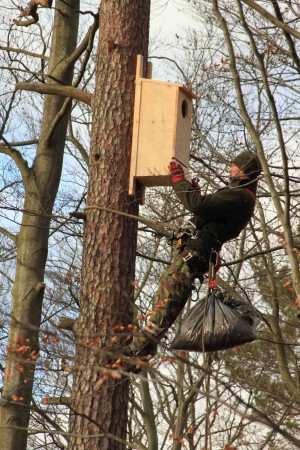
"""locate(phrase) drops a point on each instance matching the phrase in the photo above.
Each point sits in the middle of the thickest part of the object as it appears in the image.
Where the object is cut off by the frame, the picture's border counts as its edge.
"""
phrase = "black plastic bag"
(217, 323)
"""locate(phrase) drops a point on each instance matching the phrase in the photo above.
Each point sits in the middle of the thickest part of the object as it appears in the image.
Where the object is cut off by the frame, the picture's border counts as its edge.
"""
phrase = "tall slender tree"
(98, 408)
(41, 182)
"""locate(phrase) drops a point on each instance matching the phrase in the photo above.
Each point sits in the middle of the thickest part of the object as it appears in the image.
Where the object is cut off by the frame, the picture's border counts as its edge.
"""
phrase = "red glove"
(196, 184)
(176, 171)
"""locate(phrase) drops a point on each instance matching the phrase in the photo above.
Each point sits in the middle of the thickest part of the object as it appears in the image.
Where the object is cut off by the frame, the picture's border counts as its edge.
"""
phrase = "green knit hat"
(249, 163)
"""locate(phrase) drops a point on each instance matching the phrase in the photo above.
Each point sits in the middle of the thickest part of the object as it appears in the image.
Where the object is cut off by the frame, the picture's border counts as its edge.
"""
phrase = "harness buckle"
(187, 257)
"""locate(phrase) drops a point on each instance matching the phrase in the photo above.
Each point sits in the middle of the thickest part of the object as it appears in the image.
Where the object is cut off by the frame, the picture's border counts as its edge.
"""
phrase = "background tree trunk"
(41, 183)
(109, 240)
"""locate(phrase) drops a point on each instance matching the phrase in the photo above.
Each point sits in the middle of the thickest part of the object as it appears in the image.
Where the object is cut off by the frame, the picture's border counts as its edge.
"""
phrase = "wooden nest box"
(161, 129)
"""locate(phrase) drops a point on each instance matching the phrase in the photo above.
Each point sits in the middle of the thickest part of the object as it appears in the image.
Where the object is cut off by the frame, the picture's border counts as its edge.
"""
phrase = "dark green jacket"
(220, 216)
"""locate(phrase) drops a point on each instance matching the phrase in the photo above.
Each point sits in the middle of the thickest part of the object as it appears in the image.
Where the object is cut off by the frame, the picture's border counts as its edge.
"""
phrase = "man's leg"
(173, 292)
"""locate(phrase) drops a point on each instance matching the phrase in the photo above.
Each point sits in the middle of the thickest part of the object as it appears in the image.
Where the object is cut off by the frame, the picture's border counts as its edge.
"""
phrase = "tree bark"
(109, 239)
(41, 183)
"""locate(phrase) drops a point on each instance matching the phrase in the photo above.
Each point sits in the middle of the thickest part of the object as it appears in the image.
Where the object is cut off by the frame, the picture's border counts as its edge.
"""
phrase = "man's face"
(236, 172)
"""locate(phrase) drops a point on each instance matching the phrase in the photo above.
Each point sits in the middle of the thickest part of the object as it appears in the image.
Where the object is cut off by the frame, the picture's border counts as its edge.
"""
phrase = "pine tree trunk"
(109, 240)
(41, 184)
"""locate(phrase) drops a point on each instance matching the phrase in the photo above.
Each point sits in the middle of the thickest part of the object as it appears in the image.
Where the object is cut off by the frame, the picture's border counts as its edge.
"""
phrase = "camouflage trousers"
(174, 290)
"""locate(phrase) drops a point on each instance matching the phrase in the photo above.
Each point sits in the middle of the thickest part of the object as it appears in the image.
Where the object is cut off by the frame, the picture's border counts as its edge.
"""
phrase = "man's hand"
(196, 184)
(176, 171)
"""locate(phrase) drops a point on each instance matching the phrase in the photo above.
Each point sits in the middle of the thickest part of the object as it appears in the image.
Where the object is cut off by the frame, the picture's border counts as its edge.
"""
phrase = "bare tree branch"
(67, 91)
(31, 10)
(24, 52)
(8, 234)
(18, 159)
(278, 23)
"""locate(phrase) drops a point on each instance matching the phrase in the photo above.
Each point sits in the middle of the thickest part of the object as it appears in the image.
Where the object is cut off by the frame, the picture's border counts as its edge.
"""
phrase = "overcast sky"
(170, 20)
(168, 16)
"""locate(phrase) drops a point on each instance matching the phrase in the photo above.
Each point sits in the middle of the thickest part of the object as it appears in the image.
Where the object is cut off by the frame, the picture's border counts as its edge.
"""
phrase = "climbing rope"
(158, 227)
(207, 357)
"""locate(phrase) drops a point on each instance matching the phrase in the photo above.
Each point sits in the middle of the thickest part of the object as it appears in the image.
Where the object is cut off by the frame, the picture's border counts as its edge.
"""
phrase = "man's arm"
(210, 206)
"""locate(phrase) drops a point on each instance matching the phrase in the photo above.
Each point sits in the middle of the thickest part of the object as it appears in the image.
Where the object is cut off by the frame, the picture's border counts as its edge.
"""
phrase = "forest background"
(241, 59)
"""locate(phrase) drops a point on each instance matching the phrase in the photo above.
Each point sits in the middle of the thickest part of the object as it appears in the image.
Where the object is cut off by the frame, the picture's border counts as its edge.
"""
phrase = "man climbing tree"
(217, 218)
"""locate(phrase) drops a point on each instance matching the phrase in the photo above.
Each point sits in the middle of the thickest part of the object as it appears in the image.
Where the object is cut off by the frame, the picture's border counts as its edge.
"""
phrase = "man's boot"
(142, 349)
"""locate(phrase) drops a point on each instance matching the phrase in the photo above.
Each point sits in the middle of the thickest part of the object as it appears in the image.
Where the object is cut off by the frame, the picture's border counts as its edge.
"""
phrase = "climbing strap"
(253, 197)
(213, 268)
(252, 194)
